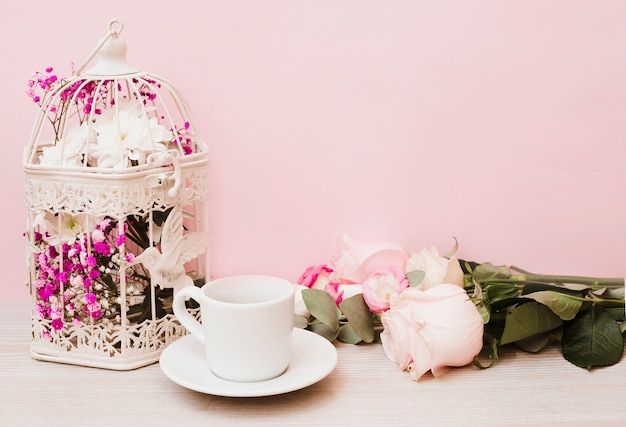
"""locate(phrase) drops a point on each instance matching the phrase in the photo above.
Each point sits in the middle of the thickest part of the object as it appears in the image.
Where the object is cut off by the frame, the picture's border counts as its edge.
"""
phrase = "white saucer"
(313, 358)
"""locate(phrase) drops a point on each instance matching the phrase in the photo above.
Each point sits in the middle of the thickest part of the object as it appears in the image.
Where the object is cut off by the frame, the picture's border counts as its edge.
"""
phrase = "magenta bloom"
(57, 324)
(90, 298)
(91, 261)
(332, 288)
(310, 275)
(102, 248)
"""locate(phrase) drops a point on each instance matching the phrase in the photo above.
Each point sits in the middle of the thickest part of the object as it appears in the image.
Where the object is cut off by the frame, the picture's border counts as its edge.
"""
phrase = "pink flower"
(333, 289)
(102, 248)
(106, 223)
(354, 262)
(432, 330)
(97, 235)
(312, 274)
(57, 324)
(77, 282)
(381, 286)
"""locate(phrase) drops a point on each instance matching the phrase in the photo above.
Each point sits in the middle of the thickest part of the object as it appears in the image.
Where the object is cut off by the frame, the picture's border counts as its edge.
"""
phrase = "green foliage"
(352, 322)
(487, 271)
(535, 343)
(585, 314)
(322, 306)
(593, 339)
(347, 335)
(359, 317)
(527, 320)
(415, 277)
(563, 305)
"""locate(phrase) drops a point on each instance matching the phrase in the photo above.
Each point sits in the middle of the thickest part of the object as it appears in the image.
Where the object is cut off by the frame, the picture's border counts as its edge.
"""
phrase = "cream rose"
(432, 330)
(437, 269)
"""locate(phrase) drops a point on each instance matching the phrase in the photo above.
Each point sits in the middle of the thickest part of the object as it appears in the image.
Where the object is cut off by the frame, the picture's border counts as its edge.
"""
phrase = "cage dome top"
(111, 118)
(111, 52)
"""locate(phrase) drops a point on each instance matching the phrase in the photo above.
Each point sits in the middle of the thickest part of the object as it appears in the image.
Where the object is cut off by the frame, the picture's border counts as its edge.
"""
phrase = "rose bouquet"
(432, 312)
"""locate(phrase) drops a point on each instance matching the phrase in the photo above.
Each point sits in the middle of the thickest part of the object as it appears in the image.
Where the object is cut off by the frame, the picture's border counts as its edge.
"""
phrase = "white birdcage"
(115, 198)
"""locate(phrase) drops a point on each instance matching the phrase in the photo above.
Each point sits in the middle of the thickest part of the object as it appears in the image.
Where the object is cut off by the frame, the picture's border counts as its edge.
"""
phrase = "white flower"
(437, 269)
(70, 150)
(63, 227)
(125, 134)
(299, 305)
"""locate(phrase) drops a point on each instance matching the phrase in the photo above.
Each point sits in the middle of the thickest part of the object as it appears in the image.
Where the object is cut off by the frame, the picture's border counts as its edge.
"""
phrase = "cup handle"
(182, 314)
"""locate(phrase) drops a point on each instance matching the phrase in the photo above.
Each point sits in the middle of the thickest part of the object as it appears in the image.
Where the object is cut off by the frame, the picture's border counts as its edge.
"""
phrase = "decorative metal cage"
(115, 198)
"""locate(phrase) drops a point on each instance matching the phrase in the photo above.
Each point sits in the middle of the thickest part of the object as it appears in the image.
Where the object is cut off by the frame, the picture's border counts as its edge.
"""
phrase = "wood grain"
(365, 389)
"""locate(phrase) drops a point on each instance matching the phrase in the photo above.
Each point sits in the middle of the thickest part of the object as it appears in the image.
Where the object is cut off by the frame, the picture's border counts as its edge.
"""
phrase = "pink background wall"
(502, 123)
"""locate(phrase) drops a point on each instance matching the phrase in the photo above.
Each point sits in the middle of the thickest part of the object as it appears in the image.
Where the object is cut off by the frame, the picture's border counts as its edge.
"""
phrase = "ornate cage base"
(106, 346)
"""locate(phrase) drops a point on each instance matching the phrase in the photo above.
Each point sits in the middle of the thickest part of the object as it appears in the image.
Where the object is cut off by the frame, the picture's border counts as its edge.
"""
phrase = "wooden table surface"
(364, 389)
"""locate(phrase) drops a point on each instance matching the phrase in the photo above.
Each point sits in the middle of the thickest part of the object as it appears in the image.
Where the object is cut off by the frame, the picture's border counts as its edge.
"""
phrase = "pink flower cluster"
(72, 283)
(429, 324)
(44, 81)
(375, 270)
(182, 138)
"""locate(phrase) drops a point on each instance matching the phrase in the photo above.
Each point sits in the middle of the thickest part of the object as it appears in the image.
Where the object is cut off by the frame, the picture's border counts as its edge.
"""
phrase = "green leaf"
(592, 339)
(526, 320)
(300, 321)
(500, 291)
(563, 305)
(347, 335)
(359, 316)
(481, 304)
(415, 277)
(484, 311)
(490, 345)
(321, 306)
(325, 331)
(489, 271)
(535, 343)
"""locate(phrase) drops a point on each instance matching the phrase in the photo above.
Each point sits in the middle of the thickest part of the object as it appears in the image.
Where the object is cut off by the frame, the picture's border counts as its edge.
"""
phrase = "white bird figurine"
(166, 267)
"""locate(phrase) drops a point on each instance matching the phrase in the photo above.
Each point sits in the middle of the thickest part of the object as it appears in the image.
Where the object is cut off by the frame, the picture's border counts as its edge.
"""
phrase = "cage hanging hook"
(115, 28)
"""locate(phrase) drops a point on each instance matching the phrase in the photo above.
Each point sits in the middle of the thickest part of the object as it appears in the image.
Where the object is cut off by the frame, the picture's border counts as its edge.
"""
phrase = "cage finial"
(111, 51)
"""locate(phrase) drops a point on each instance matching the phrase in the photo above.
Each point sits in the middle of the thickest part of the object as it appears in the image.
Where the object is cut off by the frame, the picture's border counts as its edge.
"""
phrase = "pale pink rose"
(381, 286)
(432, 330)
(353, 261)
(437, 269)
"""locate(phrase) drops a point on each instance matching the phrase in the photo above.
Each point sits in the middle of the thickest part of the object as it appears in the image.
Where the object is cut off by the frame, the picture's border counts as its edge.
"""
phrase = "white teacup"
(247, 324)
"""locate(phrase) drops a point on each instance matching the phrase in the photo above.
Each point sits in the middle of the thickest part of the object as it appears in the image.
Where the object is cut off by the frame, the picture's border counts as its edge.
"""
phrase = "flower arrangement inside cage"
(115, 199)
